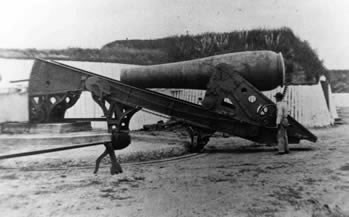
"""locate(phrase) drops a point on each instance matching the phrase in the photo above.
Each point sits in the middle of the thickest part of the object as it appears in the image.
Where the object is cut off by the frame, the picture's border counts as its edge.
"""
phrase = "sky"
(56, 24)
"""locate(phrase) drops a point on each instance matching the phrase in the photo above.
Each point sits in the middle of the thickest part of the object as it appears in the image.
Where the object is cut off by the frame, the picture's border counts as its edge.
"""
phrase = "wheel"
(120, 140)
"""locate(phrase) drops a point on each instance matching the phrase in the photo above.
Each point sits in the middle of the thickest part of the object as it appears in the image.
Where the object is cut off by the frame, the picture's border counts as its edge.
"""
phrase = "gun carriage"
(233, 103)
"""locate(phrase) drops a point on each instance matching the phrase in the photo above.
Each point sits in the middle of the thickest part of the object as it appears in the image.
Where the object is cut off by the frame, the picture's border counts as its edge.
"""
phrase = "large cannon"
(233, 83)
(233, 102)
(263, 69)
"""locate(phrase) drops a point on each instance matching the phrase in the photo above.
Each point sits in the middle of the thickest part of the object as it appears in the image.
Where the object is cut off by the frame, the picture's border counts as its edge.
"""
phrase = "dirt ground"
(233, 177)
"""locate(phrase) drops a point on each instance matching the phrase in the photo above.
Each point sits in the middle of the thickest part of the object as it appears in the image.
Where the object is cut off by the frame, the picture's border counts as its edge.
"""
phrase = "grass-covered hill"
(339, 80)
(302, 62)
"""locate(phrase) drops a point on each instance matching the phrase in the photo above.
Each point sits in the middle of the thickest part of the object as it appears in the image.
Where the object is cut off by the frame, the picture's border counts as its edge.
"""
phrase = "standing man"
(282, 124)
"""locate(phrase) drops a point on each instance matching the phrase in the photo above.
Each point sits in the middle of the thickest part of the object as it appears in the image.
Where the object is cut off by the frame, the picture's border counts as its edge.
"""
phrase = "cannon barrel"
(263, 69)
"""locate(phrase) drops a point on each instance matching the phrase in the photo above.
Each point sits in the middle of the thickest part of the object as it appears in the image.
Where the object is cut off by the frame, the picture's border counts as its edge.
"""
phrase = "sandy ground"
(233, 178)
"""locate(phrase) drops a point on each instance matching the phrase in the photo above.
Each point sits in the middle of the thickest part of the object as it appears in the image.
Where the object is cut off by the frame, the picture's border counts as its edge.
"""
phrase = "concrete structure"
(306, 103)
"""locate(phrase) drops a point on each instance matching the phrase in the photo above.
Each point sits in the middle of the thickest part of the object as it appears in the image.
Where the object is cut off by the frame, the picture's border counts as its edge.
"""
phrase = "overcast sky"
(93, 23)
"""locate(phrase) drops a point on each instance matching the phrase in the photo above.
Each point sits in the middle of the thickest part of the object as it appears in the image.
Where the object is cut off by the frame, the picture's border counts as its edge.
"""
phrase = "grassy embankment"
(302, 62)
(339, 80)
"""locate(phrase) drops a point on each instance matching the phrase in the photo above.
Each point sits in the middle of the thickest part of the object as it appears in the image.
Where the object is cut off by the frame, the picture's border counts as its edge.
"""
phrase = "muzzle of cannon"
(263, 69)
